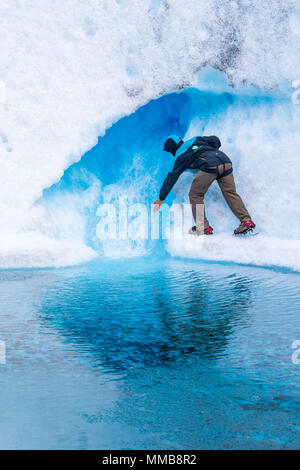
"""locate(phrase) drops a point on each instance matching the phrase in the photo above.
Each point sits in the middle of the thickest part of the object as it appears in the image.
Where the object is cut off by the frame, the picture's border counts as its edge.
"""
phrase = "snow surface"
(256, 250)
(69, 69)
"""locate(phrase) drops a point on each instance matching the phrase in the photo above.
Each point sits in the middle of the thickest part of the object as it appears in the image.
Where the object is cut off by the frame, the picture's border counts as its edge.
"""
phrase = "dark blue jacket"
(198, 153)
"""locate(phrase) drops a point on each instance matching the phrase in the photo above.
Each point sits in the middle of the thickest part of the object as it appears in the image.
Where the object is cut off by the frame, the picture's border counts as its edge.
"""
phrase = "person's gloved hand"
(157, 205)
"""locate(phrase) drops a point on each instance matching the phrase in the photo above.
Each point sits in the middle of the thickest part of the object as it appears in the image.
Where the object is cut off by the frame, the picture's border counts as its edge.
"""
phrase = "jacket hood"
(212, 140)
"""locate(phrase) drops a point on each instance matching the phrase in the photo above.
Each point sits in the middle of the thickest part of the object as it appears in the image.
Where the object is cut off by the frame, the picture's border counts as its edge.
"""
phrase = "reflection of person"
(202, 156)
(163, 316)
(201, 318)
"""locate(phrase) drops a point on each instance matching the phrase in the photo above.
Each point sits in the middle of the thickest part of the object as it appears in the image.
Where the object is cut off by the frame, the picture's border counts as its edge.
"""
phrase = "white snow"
(35, 250)
(256, 250)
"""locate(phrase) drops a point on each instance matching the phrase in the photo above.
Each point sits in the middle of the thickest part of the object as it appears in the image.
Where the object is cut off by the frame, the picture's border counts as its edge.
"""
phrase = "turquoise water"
(149, 353)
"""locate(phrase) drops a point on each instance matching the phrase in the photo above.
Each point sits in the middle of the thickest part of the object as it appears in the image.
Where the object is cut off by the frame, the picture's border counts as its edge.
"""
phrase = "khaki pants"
(202, 182)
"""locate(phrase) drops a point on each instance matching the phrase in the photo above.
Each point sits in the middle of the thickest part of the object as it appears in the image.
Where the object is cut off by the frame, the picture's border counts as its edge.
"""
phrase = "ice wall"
(71, 68)
(128, 162)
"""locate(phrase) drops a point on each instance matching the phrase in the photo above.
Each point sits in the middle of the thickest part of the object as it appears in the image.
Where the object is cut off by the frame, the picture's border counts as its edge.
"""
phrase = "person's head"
(172, 144)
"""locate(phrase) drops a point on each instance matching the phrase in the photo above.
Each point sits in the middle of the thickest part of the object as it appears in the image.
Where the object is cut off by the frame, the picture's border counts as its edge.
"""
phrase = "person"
(202, 156)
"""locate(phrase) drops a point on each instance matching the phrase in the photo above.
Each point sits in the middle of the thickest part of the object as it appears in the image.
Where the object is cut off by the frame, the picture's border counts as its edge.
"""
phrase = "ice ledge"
(33, 250)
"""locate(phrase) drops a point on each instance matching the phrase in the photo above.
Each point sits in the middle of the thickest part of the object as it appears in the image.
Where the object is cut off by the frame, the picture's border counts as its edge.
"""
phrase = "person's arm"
(181, 164)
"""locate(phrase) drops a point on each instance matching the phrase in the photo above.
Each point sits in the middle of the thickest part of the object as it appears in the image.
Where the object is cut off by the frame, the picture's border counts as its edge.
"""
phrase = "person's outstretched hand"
(157, 205)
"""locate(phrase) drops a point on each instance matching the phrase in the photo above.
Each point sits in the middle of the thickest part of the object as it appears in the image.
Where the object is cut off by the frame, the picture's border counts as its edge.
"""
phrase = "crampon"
(245, 227)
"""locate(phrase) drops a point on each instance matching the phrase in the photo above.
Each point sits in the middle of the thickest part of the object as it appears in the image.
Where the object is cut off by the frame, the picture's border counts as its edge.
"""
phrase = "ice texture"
(70, 69)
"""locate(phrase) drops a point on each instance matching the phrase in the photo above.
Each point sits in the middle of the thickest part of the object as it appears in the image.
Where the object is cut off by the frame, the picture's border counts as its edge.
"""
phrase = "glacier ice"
(73, 68)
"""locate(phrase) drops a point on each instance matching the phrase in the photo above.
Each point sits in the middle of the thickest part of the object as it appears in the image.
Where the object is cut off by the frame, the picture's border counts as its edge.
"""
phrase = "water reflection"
(136, 318)
(149, 354)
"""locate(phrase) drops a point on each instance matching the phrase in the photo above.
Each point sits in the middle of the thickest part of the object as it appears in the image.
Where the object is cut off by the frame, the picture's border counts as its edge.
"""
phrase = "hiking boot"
(244, 227)
(207, 231)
